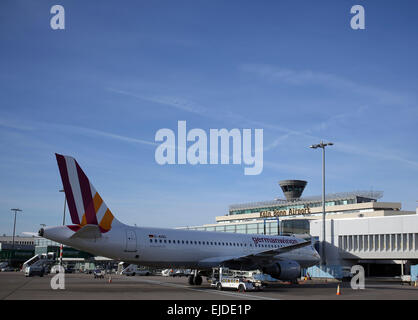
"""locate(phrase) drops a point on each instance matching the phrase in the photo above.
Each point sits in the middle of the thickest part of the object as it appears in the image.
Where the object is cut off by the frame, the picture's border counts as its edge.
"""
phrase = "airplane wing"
(252, 259)
(277, 251)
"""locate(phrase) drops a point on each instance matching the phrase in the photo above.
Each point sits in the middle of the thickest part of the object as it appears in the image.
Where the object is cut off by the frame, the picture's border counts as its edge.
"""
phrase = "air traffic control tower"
(292, 189)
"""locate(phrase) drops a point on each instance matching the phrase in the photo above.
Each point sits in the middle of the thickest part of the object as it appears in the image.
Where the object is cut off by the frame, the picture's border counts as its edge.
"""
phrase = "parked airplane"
(96, 230)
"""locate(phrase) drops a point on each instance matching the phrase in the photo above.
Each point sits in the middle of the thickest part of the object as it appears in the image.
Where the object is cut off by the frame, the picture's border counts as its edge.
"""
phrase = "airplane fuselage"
(179, 248)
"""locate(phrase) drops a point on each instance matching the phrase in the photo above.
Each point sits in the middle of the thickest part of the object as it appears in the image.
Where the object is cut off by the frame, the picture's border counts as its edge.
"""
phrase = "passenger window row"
(211, 243)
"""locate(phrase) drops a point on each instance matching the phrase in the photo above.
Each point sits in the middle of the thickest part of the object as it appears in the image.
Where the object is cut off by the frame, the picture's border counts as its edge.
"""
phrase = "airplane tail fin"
(84, 202)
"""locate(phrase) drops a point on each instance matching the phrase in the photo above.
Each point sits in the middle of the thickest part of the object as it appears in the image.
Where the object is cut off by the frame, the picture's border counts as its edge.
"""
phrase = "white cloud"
(389, 155)
(308, 77)
(88, 131)
(175, 102)
(10, 124)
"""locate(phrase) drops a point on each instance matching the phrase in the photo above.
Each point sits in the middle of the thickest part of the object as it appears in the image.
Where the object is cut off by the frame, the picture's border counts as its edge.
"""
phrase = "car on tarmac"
(239, 284)
(130, 270)
(175, 273)
(143, 272)
(7, 269)
(69, 269)
(98, 273)
(35, 271)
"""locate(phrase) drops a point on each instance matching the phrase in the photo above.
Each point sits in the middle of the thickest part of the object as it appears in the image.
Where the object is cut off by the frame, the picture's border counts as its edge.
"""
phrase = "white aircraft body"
(97, 231)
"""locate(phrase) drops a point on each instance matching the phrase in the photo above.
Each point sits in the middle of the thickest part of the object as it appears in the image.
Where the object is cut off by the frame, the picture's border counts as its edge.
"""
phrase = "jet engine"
(283, 270)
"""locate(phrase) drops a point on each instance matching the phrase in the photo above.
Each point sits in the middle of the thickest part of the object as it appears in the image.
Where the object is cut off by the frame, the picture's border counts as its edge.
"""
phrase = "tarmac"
(15, 286)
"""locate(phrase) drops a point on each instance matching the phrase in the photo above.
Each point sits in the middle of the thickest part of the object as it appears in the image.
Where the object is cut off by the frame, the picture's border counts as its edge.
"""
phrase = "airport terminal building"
(20, 249)
(359, 229)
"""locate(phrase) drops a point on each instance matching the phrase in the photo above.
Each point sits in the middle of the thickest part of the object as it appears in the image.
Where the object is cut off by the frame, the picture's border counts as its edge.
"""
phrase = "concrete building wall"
(18, 240)
(384, 237)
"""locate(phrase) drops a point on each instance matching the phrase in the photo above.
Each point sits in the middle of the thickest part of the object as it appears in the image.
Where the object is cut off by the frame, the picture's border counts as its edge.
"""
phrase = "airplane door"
(130, 241)
(247, 250)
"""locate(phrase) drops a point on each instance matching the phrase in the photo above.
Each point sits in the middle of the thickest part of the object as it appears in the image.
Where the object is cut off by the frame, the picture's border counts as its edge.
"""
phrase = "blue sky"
(100, 89)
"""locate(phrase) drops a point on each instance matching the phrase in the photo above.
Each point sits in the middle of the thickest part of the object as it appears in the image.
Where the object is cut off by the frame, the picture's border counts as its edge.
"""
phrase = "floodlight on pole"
(322, 145)
(63, 223)
(14, 226)
(65, 202)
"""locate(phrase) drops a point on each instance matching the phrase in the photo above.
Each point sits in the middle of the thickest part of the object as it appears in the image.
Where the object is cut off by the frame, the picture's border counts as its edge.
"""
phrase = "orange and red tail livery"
(84, 202)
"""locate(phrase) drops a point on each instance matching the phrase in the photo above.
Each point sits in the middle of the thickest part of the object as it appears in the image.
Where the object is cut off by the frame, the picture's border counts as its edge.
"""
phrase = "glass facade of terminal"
(266, 226)
(291, 206)
(270, 227)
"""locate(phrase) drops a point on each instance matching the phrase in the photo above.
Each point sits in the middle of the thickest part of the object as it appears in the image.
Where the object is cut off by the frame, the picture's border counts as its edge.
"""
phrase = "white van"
(133, 270)
(130, 270)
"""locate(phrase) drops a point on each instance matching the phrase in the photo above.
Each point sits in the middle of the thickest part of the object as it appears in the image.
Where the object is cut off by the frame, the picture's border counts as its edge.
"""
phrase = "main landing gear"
(195, 279)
